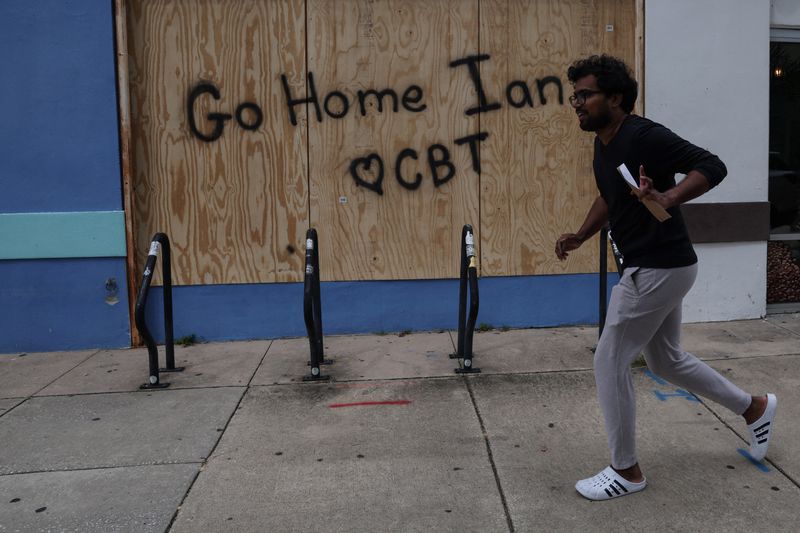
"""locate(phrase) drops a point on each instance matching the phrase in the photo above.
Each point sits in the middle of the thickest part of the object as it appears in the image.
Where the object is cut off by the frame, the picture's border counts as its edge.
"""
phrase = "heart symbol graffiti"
(365, 163)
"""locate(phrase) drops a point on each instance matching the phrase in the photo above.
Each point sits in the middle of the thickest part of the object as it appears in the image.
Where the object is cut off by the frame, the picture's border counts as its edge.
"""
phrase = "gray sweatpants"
(645, 315)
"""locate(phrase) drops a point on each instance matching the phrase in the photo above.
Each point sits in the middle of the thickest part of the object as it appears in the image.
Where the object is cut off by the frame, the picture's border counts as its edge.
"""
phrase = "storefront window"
(783, 254)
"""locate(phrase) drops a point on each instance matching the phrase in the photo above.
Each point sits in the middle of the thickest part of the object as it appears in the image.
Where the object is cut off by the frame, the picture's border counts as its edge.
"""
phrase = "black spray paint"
(337, 105)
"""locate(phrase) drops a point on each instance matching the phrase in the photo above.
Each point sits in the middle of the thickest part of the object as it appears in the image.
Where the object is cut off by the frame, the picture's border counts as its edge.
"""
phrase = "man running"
(644, 313)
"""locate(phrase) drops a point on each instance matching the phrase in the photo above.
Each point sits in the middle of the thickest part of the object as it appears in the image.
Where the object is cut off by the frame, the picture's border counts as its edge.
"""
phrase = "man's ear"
(615, 100)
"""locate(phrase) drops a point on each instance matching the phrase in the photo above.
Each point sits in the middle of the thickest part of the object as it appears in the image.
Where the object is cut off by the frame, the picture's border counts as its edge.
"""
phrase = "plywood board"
(235, 207)
(403, 232)
(236, 202)
(537, 177)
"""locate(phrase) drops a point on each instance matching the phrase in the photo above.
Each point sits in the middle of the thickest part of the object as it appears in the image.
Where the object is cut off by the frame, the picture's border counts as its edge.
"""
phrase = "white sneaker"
(606, 485)
(762, 430)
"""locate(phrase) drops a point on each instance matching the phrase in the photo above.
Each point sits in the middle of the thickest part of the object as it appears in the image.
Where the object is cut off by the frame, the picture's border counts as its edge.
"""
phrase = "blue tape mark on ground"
(664, 396)
(758, 464)
(655, 378)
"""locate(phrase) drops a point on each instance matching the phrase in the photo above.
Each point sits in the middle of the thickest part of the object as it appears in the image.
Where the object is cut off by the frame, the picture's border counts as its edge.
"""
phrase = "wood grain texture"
(235, 209)
(639, 57)
(124, 109)
(377, 44)
(537, 177)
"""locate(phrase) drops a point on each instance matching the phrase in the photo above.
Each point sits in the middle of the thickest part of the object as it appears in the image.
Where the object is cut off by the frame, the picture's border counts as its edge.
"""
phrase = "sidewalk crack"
(488, 443)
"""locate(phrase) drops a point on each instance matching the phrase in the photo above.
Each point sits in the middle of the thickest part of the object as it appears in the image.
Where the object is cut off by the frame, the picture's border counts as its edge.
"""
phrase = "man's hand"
(596, 218)
(649, 192)
(692, 186)
(566, 243)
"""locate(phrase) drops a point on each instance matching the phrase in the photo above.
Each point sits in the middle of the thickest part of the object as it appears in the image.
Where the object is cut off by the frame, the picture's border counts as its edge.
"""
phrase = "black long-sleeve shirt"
(642, 239)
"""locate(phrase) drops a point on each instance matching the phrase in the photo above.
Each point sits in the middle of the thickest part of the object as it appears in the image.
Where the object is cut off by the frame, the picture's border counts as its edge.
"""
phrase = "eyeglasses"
(580, 97)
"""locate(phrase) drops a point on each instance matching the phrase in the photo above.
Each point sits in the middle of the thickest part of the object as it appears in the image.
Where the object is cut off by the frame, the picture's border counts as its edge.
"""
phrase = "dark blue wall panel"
(59, 148)
(63, 304)
(228, 312)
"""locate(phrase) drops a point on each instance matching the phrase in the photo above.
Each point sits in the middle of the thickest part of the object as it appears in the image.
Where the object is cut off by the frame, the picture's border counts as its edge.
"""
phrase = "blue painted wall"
(230, 312)
(59, 140)
(63, 304)
(59, 152)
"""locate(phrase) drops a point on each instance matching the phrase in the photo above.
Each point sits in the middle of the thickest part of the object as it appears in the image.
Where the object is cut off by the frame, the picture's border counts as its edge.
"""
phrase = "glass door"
(783, 249)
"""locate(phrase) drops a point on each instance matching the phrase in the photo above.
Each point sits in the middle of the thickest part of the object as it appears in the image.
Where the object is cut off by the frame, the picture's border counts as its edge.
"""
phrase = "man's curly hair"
(613, 77)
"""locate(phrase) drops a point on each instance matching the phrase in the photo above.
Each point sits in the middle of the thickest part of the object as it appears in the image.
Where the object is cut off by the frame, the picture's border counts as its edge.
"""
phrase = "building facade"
(387, 126)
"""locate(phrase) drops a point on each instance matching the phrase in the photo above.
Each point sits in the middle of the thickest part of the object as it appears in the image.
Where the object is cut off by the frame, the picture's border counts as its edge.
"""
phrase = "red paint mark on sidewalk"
(357, 404)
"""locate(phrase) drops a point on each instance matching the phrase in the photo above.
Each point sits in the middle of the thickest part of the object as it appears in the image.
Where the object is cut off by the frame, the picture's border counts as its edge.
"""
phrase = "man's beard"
(596, 123)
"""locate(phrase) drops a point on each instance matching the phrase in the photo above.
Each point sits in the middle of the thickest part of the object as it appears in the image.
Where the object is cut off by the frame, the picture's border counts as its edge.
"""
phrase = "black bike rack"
(605, 238)
(312, 309)
(141, 302)
(466, 323)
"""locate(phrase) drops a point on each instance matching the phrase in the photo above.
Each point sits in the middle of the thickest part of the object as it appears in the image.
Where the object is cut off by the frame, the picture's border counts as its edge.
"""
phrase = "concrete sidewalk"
(395, 442)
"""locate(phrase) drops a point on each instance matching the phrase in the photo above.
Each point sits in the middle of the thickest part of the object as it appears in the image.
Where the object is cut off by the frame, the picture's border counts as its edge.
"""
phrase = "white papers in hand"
(623, 170)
